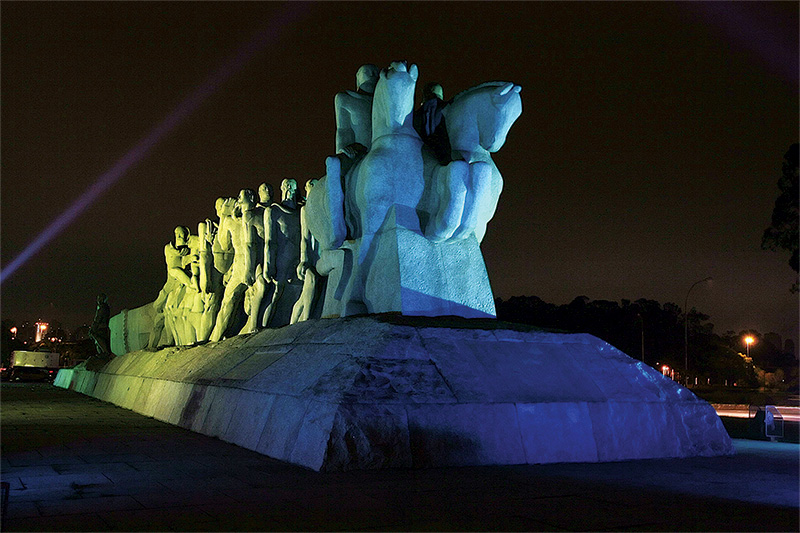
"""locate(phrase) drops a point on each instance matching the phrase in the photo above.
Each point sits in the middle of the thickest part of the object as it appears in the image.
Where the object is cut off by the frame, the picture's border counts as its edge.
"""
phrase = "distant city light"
(41, 327)
(13, 332)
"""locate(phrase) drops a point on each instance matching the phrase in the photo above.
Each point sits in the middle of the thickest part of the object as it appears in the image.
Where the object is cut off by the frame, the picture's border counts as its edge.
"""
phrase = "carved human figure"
(210, 282)
(190, 306)
(254, 297)
(163, 332)
(353, 139)
(99, 330)
(182, 267)
(222, 245)
(244, 237)
(264, 195)
(282, 254)
(307, 306)
(354, 112)
(430, 124)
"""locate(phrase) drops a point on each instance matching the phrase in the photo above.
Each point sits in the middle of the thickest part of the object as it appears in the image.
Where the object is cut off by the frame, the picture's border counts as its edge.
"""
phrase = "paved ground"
(77, 464)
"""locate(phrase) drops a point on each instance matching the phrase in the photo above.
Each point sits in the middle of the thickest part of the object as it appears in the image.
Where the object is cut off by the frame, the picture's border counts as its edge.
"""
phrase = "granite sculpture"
(282, 255)
(395, 224)
(164, 332)
(210, 281)
(307, 305)
(264, 196)
(254, 296)
(413, 226)
(353, 111)
(222, 245)
(393, 229)
(248, 249)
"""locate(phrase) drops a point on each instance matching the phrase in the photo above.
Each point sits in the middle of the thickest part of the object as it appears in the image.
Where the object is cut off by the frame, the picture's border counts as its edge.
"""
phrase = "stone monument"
(425, 376)
(413, 225)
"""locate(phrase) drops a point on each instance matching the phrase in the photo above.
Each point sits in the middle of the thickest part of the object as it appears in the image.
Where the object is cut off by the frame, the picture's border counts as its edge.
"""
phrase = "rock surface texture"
(392, 391)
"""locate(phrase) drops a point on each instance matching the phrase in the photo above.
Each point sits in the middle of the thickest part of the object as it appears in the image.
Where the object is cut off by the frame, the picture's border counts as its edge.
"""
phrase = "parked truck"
(37, 366)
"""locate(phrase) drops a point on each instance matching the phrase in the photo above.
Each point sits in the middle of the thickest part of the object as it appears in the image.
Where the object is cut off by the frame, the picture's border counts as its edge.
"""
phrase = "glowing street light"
(748, 341)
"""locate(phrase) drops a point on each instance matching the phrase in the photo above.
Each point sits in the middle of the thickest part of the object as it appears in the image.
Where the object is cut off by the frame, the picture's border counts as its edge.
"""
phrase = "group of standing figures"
(242, 272)
(394, 225)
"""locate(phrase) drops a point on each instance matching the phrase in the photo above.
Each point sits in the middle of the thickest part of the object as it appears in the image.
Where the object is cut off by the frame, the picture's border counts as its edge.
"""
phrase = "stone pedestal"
(394, 391)
(421, 277)
(130, 329)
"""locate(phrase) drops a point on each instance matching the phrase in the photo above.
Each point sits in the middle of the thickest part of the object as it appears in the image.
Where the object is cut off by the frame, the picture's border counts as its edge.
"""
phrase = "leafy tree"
(783, 233)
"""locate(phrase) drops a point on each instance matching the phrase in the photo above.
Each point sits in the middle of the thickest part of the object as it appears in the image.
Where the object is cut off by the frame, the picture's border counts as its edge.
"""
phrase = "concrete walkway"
(77, 464)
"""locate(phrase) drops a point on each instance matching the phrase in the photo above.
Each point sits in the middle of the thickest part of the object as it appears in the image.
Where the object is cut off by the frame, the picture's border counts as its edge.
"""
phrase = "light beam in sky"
(289, 13)
(754, 28)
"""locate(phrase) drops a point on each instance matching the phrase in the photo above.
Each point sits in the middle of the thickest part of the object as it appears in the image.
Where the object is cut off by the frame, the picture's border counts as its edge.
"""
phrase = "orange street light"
(748, 341)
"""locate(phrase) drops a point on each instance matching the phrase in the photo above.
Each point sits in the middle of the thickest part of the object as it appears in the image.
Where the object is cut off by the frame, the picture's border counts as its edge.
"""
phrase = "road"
(789, 413)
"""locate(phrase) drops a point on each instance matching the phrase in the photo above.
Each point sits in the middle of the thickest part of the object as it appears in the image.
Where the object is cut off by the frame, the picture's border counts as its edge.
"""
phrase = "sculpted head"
(432, 90)
(226, 206)
(310, 185)
(366, 78)
(181, 235)
(506, 109)
(247, 199)
(265, 193)
(289, 189)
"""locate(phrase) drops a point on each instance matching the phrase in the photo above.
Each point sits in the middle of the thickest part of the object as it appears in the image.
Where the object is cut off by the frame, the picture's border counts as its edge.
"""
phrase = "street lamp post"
(748, 341)
(642, 322)
(686, 327)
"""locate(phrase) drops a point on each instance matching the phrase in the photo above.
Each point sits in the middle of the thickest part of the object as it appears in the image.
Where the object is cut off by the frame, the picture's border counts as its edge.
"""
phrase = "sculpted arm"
(270, 252)
(222, 247)
(345, 136)
(305, 245)
(174, 265)
(249, 239)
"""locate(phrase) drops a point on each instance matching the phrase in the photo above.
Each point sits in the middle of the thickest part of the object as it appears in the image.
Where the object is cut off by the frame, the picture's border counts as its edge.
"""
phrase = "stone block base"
(393, 391)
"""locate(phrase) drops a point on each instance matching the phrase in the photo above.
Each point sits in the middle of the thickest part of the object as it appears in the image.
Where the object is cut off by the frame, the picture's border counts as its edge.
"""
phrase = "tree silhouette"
(783, 233)
(713, 358)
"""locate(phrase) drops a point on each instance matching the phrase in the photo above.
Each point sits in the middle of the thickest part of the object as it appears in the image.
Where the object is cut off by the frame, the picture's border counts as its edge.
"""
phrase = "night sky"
(646, 157)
